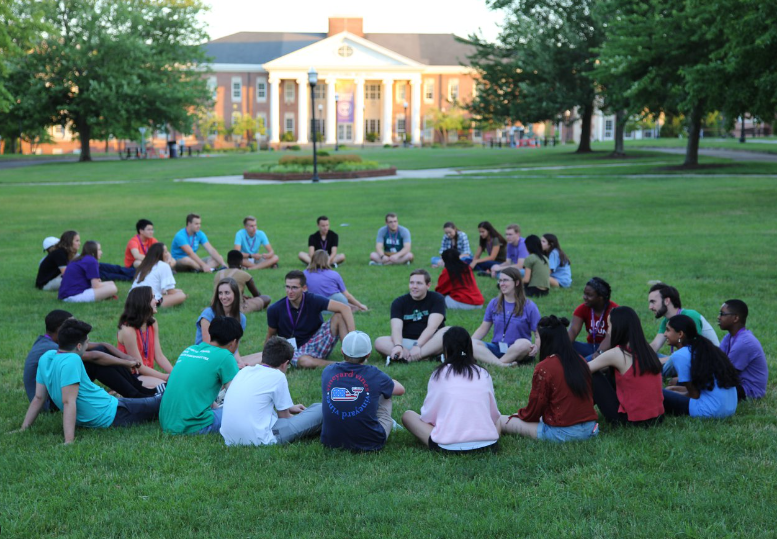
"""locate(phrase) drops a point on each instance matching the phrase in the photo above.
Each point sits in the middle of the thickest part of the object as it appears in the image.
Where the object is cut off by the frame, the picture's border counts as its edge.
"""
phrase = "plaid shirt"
(462, 245)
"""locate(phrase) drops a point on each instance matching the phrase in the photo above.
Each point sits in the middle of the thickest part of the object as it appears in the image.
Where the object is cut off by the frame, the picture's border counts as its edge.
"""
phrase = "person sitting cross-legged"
(61, 376)
(198, 376)
(744, 350)
(258, 409)
(186, 245)
(324, 239)
(249, 241)
(417, 323)
(358, 400)
(297, 318)
(392, 245)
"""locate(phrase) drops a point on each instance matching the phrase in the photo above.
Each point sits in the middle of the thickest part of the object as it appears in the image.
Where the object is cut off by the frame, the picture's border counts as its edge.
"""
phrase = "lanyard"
(144, 341)
(192, 239)
(323, 243)
(393, 238)
(595, 327)
(251, 241)
(299, 313)
(505, 324)
(142, 247)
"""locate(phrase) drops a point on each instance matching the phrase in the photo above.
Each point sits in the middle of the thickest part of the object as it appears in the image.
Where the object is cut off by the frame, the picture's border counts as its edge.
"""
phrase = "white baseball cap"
(49, 242)
(357, 344)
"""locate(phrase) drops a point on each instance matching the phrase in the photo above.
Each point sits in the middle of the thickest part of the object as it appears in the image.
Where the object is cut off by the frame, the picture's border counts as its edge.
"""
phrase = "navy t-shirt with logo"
(302, 325)
(351, 394)
(415, 314)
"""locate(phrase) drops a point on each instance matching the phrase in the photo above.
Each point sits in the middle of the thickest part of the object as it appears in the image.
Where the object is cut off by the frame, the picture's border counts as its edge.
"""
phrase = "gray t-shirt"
(42, 345)
(393, 242)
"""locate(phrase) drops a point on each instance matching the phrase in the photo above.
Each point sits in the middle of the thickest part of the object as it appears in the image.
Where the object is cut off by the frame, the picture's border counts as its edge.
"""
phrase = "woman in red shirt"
(593, 313)
(457, 283)
(631, 392)
(561, 406)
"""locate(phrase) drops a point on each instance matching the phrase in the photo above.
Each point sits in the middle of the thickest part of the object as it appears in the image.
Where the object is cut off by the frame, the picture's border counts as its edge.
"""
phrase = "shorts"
(490, 448)
(87, 296)
(493, 347)
(320, 345)
(534, 292)
(581, 431)
(53, 284)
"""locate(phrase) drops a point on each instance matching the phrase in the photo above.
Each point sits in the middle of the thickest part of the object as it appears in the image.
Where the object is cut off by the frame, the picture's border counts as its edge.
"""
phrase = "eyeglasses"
(721, 313)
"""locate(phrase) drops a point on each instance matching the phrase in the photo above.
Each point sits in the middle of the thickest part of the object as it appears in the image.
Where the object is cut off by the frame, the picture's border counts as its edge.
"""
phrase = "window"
(288, 122)
(345, 51)
(429, 91)
(372, 126)
(320, 91)
(345, 132)
(401, 90)
(288, 91)
(453, 90)
(401, 124)
(428, 128)
(318, 126)
(59, 131)
(261, 90)
(237, 88)
(373, 91)
(628, 134)
(234, 118)
(647, 133)
(453, 135)
(213, 87)
(608, 129)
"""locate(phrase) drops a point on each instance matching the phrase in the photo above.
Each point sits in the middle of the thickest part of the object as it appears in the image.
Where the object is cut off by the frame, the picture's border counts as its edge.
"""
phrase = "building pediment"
(343, 51)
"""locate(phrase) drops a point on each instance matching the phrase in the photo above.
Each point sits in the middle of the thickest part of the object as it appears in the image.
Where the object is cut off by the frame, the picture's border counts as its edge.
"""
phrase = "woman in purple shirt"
(81, 281)
(322, 280)
(514, 318)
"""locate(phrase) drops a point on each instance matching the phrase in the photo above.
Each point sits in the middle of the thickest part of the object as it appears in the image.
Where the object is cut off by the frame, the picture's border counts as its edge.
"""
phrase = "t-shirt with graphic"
(209, 315)
(94, 406)
(49, 268)
(415, 313)
(324, 282)
(747, 356)
(248, 244)
(193, 385)
(182, 238)
(509, 327)
(540, 271)
(600, 322)
(317, 243)
(140, 243)
(301, 323)
(351, 394)
(78, 276)
(516, 252)
(716, 402)
(393, 242)
(250, 405)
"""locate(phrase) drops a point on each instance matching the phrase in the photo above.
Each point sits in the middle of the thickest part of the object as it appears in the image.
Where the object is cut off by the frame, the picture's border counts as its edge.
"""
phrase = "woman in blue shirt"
(707, 379)
(560, 267)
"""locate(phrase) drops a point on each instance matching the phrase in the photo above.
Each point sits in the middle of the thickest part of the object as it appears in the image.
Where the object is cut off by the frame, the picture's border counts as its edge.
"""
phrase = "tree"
(111, 67)
(445, 121)
(539, 68)
(245, 126)
(20, 23)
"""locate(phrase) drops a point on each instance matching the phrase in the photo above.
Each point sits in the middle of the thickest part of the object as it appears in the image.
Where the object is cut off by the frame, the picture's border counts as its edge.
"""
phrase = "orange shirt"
(141, 244)
(146, 345)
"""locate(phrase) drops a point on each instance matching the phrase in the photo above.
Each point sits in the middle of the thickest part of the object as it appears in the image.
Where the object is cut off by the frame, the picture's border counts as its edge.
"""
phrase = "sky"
(460, 17)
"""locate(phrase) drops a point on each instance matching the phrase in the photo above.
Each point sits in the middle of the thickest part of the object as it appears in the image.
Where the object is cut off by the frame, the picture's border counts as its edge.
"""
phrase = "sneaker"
(274, 266)
(396, 425)
(407, 263)
(442, 358)
(373, 263)
(335, 265)
(161, 388)
(220, 268)
(482, 273)
(220, 398)
(388, 361)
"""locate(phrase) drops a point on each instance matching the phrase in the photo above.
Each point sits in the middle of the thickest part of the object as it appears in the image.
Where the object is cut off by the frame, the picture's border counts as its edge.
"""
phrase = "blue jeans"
(437, 260)
(487, 265)
(112, 272)
(133, 411)
(215, 426)
(585, 349)
(668, 369)
(581, 431)
(676, 404)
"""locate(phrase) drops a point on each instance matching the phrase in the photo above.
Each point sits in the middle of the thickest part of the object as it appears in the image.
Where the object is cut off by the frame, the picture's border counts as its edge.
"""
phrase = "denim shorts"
(493, 347)
(581, 431)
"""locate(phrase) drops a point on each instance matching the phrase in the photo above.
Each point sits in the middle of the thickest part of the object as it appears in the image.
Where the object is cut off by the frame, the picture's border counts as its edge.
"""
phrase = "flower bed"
(334, 175)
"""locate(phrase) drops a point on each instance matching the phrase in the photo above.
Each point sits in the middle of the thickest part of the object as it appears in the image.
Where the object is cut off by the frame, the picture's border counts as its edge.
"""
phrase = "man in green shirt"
(198, 375)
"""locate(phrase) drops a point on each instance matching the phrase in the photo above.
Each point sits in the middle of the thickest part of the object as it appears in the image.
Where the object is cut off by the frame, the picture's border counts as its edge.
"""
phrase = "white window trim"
(289, 95)
(403, 87)
(428, 85)
(213, 86)
(239, 97)
(261, 80)
(286, 117)
(451, 84)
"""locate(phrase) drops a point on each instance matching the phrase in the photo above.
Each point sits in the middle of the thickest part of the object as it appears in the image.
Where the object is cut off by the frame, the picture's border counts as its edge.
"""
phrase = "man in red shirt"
(138, 245)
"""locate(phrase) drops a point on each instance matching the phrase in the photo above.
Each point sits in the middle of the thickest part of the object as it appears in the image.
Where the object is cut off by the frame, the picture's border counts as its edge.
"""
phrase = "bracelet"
(398, 345)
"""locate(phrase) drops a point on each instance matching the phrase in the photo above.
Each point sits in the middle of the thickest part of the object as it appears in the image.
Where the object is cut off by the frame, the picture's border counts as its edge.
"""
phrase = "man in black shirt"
(417, 323)
(324, 239)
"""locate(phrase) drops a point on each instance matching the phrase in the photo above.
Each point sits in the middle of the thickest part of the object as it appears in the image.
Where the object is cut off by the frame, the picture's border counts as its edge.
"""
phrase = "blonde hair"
(319, 261)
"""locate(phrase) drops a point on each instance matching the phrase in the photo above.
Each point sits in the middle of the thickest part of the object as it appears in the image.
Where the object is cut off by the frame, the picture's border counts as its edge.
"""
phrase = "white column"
(387, 124)
(302, 111)
(358, 114)
(415, 110)
(331, 113)
(275, 109)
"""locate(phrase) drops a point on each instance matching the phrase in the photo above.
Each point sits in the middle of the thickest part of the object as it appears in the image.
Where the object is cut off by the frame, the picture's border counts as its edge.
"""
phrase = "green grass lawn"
(712, 237)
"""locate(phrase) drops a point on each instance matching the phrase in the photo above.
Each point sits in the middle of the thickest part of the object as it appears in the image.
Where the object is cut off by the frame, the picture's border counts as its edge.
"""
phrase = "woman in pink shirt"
(459, 413)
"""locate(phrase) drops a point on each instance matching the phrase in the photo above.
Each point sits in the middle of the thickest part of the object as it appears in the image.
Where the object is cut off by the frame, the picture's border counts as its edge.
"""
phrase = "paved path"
(734, 155)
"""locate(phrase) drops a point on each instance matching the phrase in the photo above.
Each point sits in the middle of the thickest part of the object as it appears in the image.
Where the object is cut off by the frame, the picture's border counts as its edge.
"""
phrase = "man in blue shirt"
(249, 240)
(187, 242)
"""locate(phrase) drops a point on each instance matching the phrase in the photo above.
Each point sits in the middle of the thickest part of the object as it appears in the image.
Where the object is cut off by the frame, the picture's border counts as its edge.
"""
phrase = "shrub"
(387, 146)
(288, 136)
(322, 153)
(294, 148)
(323, 162)
(252, 146)
(463, 143)
(207, 148)
(297, 168)
(371, 137)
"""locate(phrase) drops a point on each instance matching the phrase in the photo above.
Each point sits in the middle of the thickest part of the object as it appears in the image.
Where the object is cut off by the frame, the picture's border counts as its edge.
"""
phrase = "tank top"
(146, 345)
(640, 395)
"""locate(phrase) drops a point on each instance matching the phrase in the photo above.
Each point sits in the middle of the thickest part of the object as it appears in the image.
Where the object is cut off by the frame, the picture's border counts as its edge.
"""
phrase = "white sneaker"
(388, 361)
(397, 426)
(373, 263)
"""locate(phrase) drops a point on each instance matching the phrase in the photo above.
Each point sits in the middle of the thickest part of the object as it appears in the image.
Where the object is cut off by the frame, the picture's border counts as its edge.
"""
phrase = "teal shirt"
(94, 407)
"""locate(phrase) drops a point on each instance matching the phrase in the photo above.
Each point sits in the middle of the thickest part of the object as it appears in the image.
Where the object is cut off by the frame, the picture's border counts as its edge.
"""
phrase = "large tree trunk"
(585, 129)
(620, 127)
(694, 133)
(9, 145)
(85, 135)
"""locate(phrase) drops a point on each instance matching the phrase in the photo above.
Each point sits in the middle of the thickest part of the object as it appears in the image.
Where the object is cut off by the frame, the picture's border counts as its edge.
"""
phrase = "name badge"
(293, 342)
(503, 347)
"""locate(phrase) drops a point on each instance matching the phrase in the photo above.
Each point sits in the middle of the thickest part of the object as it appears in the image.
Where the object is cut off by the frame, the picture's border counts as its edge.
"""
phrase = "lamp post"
(337, 133)
(142, 140)
(404, 128)
(313, 80)
(742, 131)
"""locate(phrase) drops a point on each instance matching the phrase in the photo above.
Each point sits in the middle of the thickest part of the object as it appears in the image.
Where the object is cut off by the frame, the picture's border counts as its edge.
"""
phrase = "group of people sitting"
(213, 388)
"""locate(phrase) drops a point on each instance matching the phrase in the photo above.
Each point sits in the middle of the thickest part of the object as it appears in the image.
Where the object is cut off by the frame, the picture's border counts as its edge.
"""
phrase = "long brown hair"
(66, 243)
(520, 297)
(137, 308)
(234, 310)
(155, 254)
